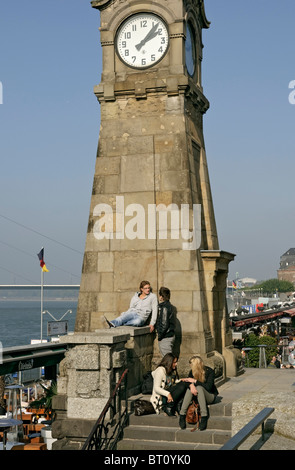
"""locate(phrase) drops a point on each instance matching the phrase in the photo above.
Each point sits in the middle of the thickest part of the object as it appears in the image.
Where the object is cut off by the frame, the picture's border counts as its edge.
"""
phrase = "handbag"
(193, 414)
(143, 407)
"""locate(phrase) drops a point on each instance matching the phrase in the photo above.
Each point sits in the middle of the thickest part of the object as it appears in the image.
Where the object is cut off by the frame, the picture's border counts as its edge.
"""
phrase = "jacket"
(159, 376)
(209, 383)
(145, 307)
(165, 325)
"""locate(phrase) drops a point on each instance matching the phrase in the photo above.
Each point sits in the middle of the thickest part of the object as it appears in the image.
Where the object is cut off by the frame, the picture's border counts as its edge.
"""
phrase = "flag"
(42, 262)
(234, 285)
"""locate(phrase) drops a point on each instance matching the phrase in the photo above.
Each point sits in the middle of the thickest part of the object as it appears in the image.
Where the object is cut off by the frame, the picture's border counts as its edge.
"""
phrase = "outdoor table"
(5, 425)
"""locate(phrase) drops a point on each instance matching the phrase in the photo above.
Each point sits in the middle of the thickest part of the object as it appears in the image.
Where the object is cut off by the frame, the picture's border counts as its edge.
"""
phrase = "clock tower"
(151, 215)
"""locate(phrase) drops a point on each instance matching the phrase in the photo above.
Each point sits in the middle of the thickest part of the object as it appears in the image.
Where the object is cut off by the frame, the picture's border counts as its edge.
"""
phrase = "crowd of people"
(170, 393)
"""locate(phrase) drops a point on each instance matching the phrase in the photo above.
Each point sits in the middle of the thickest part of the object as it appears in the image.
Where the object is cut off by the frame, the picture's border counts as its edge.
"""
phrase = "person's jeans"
(129, 318)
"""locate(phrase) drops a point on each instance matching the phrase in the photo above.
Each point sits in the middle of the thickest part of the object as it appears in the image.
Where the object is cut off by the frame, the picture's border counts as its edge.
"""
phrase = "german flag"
(234, 285)
(42, 262)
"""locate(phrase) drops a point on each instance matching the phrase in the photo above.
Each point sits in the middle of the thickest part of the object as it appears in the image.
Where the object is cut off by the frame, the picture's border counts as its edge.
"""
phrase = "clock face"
(190, 51)
(142, 40)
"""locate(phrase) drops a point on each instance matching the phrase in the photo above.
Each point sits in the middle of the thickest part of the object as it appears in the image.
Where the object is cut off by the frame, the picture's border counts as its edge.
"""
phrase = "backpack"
(147, 384)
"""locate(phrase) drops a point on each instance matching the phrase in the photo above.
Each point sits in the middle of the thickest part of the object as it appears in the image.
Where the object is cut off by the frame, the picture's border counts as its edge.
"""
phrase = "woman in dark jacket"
(202, 386)
(165, 325)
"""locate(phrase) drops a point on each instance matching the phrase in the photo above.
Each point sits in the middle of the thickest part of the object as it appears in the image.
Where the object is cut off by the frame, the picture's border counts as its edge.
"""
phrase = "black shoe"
(168, 410)
(109, 322)
(182, 422)
(203, 423)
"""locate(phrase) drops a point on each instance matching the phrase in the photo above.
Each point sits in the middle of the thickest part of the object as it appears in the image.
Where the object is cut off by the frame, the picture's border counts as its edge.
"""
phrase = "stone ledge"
(97, 337)
(128, 330)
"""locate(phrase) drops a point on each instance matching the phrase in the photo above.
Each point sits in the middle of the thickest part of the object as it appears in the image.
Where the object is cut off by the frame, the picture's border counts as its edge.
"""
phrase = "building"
(287, 266)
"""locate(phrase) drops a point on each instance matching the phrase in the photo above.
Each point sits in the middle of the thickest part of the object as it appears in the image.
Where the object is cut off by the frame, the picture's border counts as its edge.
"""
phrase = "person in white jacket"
(167, 392)
(143, 305)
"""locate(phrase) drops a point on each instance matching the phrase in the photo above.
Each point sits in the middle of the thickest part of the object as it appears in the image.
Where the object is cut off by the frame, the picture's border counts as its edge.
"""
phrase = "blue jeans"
(129, 318)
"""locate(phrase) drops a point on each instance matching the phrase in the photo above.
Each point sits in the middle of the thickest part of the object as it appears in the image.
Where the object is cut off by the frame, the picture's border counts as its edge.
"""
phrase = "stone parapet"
(93, 365)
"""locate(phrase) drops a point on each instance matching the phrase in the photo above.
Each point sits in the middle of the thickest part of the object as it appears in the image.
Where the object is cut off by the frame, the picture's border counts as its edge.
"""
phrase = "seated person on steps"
(167, 389)
(143, 304)
(201, 385)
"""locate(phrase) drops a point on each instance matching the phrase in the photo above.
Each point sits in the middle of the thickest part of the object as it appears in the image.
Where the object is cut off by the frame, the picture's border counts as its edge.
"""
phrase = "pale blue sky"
(50, 59)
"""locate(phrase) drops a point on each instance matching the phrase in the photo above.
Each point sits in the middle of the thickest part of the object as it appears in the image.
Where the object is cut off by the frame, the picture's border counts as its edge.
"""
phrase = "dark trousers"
(177, 391)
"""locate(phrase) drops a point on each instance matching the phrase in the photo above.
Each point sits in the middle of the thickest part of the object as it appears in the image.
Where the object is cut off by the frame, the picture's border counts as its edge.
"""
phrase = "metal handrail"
(99, 438)
(247, 430)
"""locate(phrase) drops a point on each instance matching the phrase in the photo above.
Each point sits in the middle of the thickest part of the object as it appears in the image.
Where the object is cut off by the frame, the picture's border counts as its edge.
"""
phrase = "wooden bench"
(247, 430)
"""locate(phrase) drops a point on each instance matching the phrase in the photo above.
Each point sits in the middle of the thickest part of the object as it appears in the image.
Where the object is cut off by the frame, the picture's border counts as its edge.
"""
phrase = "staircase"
(161, 432)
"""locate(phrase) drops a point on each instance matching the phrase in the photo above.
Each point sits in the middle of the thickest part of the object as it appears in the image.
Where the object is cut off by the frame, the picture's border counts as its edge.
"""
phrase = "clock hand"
(152, 34)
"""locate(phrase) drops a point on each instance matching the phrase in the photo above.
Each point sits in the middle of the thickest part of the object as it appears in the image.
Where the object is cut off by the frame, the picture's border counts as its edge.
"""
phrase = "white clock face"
(142, 40)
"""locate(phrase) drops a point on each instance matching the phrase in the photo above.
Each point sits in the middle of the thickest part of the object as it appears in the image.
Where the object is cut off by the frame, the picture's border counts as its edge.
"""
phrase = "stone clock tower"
(151, 215)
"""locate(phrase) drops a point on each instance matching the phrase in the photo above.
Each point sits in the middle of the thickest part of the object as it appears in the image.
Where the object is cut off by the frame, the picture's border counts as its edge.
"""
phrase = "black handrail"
(99, 438)
(247, 430)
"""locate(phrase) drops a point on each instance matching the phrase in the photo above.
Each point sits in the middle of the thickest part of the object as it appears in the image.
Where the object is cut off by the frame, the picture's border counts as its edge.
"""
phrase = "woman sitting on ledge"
(143, 304)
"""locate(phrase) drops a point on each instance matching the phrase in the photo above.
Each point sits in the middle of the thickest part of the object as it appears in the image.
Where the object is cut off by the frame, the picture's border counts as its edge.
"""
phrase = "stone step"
(214, 422)
(135, 444)
(162, 432)
(175, 434)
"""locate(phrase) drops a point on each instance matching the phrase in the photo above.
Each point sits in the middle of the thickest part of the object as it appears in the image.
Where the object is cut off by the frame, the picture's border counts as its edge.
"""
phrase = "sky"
(50, 60)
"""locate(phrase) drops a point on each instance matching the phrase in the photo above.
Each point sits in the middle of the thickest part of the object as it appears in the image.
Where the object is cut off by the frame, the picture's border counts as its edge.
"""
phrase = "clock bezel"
(136, 67)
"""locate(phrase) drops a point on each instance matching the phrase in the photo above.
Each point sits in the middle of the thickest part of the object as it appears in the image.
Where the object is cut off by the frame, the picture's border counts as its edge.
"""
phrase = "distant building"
(248, 281)
(287, 266)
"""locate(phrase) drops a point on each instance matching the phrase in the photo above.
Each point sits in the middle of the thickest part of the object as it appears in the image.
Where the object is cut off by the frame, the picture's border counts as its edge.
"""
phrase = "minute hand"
(152, 34)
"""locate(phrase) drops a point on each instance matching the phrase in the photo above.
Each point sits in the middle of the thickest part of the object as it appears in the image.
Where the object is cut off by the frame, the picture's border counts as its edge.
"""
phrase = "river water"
(20, 320)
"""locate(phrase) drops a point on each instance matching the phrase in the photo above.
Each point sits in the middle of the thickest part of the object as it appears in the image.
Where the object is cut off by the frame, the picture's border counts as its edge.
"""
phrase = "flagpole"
(42, 283)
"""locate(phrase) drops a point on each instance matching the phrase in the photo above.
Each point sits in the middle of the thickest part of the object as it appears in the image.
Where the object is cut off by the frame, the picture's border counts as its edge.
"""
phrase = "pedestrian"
(202, 386)
(165, 324)
(167, 389)
(143, 305)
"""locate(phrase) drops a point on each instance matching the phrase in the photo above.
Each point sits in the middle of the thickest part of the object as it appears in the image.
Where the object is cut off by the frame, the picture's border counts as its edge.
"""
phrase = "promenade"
(255, 390)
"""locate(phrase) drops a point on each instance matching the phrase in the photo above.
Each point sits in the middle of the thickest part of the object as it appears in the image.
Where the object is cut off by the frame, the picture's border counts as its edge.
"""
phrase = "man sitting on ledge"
(142, 304)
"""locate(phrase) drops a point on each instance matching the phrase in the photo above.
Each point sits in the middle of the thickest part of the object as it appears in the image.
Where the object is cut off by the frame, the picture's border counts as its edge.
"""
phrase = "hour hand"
(152, 34)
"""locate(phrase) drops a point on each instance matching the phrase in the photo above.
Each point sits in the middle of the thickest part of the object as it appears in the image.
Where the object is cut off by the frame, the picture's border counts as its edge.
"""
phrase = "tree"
(253, 341)
(274, 285)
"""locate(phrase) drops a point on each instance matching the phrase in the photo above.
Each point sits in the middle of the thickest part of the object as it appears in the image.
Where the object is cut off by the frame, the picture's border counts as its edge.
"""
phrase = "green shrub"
(252, 341)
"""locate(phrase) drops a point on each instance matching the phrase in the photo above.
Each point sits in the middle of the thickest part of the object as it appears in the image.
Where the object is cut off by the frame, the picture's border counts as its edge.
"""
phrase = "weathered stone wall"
(93, 365)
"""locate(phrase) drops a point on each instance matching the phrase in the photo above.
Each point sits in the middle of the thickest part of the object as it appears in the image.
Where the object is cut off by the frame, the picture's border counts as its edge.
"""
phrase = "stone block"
(106, 282)
(106, 302)
(182, 280)
(90, 282)
(83, 357)
(107, 166)
(131, 165)
(82, 408)
(132, 267)
(178, 260)
(119, 358)
(73, 428)
(105, 262)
